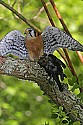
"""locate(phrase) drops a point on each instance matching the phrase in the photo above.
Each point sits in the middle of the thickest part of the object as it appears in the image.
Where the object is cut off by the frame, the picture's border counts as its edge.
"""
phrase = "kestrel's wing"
(54, 38)
(13, 43)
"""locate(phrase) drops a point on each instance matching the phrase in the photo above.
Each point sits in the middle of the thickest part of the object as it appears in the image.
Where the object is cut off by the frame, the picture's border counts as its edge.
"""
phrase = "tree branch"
(24, 69)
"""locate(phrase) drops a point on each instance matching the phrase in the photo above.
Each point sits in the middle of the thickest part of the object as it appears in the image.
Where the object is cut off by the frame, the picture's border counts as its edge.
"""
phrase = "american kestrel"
(51, 39)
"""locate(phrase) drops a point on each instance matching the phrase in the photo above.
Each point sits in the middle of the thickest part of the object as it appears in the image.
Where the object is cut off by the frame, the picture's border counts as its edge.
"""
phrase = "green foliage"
(81, 80)
(22, 102)
(76, 85)
(59, 116)
(73, 82)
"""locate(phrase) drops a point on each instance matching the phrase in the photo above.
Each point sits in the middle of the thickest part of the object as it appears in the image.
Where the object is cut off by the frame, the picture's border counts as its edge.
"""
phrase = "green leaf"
(74, 79)
(81, 84)
(57, 120)
(80, 77)
(54, 116)
(60, 108)
(76, 123)
(64, 121)
(80, 95)
(70, 82)
(75, 86)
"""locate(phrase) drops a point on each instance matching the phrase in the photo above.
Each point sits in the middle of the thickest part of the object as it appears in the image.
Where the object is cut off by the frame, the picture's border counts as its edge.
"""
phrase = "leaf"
(54, 116)
(74, 79)
(76, 123)
(64, 121)
(75, 86)
(60, 108)
(81, 84)
(80, 77)
(80, 95)
(70, 82)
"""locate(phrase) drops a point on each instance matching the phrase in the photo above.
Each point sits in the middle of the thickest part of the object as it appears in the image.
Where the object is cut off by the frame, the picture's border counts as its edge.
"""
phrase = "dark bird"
(54, 67)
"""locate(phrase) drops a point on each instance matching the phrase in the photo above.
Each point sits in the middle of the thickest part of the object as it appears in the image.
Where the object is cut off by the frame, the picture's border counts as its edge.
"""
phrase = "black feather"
(53, 66)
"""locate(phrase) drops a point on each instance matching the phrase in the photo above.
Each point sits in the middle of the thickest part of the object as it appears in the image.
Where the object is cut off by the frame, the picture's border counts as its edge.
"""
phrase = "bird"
(50, 40)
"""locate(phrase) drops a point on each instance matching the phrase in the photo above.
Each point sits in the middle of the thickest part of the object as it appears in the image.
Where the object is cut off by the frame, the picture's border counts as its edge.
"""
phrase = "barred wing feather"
(54, 38)
(13, 43)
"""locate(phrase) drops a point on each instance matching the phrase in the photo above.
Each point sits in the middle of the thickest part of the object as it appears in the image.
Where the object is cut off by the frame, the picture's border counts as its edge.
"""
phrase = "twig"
(80, 56)
(13, 7)
(47, 12)
(19, 6)
(40, 11)
(19, 15)
(59, 16)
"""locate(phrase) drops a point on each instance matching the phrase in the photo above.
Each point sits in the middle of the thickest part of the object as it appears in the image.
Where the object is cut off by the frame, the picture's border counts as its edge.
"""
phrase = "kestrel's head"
(31, 33)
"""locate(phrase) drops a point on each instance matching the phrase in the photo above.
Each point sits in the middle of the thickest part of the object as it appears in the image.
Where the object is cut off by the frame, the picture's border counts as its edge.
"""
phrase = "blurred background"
(22, 102)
